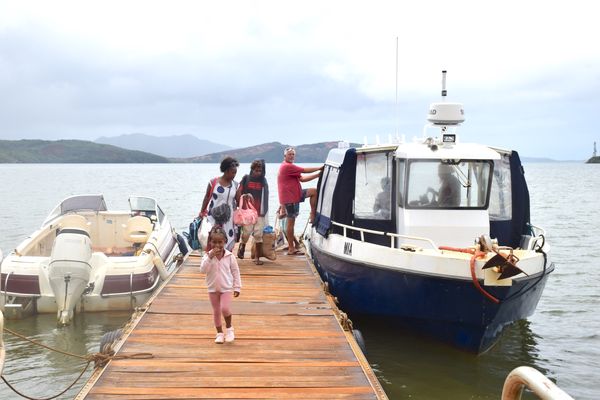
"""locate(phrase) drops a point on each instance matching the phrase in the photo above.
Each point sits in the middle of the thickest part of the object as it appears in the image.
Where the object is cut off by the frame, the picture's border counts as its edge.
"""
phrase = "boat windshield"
(445, 184)
(145, 206)
(92, 202)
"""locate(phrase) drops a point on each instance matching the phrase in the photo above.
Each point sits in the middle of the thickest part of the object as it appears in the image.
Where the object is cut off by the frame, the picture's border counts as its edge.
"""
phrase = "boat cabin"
(432, 192)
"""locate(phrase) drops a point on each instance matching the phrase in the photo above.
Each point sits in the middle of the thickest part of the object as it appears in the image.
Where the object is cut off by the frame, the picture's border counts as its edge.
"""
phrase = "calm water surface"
(562, 339)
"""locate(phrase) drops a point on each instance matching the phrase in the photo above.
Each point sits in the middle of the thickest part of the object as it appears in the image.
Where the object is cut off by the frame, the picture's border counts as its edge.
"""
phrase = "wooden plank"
(289, 343)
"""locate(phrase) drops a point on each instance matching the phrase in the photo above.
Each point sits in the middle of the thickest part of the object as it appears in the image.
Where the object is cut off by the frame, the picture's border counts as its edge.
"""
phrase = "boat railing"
(2, 349)
(541, 386)
(393, 236)
(537, 231)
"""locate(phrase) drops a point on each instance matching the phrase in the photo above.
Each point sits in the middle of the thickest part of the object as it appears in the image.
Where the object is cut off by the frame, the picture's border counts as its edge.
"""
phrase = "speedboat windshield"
(447, 184)
(146, 206)
(88, 202)
(142, 204)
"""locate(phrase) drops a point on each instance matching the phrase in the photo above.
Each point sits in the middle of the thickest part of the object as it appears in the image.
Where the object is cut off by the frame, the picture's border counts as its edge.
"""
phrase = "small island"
(594, 159)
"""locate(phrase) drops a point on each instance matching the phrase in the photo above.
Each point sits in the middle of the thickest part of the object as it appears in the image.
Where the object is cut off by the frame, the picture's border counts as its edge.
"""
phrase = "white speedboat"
(88, 258)
(432, 235)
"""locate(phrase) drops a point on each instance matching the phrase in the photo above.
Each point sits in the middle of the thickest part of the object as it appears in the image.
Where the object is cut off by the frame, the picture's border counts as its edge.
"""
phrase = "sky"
(249, 72)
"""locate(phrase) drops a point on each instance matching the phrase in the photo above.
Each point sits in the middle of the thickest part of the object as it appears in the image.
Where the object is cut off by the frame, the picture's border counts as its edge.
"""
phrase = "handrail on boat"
(537, 230)
(541, 386)
(392, 236)
(2, 349)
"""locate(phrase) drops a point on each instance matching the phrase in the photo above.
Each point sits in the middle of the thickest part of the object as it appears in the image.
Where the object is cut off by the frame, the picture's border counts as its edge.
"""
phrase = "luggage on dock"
(192, 234)
(268, 244)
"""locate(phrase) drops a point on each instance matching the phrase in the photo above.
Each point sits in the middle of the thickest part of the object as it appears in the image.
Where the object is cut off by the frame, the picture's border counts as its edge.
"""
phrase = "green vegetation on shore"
(70, 151)
(81, 151)
(271, 152)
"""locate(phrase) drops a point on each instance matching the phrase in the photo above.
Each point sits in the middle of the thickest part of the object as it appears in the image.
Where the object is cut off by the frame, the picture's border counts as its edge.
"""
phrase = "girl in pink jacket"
(223, 282)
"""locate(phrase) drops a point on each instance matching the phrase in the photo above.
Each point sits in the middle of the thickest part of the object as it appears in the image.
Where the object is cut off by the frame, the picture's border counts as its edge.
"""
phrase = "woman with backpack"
(256, 189)
(220, 200)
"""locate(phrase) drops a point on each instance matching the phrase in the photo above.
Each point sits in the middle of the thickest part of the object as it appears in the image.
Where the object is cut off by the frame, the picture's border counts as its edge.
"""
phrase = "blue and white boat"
(433, 235)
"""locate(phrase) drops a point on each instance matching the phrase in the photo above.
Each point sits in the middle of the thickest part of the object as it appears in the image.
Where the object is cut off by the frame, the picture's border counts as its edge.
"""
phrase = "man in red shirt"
(291, 193)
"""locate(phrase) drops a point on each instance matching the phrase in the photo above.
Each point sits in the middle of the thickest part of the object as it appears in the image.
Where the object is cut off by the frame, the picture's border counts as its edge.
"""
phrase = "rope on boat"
(475, 254)
(99, 359)
(480, 254)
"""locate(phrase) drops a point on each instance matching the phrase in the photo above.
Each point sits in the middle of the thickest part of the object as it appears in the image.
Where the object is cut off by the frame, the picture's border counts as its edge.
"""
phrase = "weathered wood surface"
(289, 343)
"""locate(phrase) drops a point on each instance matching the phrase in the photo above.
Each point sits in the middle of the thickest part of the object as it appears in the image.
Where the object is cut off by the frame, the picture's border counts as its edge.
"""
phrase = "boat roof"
(457, 151)
(423, 149)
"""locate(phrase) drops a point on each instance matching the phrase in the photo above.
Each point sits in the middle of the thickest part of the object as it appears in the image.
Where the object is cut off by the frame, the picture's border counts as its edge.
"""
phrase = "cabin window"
(448, 184)
(501, 194)
(401, 181)
(328, 183)
(373, 191)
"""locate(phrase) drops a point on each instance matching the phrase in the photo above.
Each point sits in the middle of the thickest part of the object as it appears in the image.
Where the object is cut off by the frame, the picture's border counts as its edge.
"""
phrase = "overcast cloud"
(248, 72)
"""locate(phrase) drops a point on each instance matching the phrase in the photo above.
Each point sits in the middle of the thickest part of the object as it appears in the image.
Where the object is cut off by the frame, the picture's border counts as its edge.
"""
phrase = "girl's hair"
(217, 230)
(255, 163)
(229, 162)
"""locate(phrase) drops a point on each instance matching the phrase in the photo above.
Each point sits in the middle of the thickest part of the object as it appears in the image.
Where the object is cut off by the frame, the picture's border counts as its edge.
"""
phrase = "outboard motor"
(70, 267)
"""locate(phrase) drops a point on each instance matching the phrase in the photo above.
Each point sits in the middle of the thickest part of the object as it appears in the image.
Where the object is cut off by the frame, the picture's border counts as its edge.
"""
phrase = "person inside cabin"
(256, 188)
(291, 193)
(223, 282)
(449, 193)
(382, 205)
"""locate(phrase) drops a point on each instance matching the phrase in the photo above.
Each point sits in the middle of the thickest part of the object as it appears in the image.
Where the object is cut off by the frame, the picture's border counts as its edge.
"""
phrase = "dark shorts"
(293, 209)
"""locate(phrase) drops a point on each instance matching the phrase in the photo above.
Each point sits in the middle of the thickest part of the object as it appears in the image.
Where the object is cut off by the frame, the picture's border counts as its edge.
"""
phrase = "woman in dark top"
(255, 186)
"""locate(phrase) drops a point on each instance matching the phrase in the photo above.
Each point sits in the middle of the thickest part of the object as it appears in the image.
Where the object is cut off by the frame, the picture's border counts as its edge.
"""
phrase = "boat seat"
(75, 221)
(138, 229)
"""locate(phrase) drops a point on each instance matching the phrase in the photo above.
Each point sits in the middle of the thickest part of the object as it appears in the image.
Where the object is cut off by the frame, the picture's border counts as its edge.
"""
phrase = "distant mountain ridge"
(166, 146)
(271, 152)
(81, 151)
(70, 151)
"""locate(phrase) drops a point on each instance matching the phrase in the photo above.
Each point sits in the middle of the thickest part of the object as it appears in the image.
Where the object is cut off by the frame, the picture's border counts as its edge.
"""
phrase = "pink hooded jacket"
(221, 275)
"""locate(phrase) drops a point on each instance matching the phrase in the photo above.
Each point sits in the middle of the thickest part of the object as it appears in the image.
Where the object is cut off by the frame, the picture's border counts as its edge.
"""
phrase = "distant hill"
(70, 151)
(166, 146)
(270, 152)
(545, 160)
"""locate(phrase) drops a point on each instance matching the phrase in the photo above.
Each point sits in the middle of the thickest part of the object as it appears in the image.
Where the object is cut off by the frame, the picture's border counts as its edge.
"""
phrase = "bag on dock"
(192, 234)
(268, 244)
(280, 239)
(205, 228)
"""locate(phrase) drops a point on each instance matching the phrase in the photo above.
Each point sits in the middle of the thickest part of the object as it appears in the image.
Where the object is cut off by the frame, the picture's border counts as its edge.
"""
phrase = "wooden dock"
(290, 342)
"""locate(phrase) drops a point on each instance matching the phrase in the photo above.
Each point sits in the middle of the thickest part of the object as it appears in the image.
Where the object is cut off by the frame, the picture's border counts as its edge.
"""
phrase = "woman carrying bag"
(220, 200)
(255, 185)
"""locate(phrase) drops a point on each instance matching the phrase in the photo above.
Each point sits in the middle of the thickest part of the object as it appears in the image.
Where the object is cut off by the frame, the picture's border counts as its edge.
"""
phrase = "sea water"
(562, 339)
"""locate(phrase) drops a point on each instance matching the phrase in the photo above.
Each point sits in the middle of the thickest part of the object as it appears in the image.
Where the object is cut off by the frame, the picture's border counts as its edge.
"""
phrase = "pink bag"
(246, 214)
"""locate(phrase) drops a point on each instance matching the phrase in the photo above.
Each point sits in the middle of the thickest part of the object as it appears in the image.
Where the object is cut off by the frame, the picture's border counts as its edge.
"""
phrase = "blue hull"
(451, 310)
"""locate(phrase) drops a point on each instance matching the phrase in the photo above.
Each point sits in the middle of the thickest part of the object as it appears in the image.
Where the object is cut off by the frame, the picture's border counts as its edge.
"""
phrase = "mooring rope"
(46, 398)
(99, 360)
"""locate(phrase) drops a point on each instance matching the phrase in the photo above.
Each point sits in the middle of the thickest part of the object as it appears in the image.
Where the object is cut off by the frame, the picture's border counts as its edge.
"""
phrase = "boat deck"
(290, 343)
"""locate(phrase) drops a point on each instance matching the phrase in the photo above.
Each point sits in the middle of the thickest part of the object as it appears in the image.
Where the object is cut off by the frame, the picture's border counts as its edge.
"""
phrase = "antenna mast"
(444, 91)
(397, 108)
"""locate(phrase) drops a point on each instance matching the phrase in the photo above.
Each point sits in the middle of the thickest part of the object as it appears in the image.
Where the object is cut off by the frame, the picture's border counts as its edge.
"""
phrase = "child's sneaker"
(229, 336)
(220, 338)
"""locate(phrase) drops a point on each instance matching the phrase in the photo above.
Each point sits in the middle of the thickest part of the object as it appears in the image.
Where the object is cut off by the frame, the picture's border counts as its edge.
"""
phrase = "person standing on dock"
(223, 282)
(255, 185)
(291, 193)
(219, 200)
